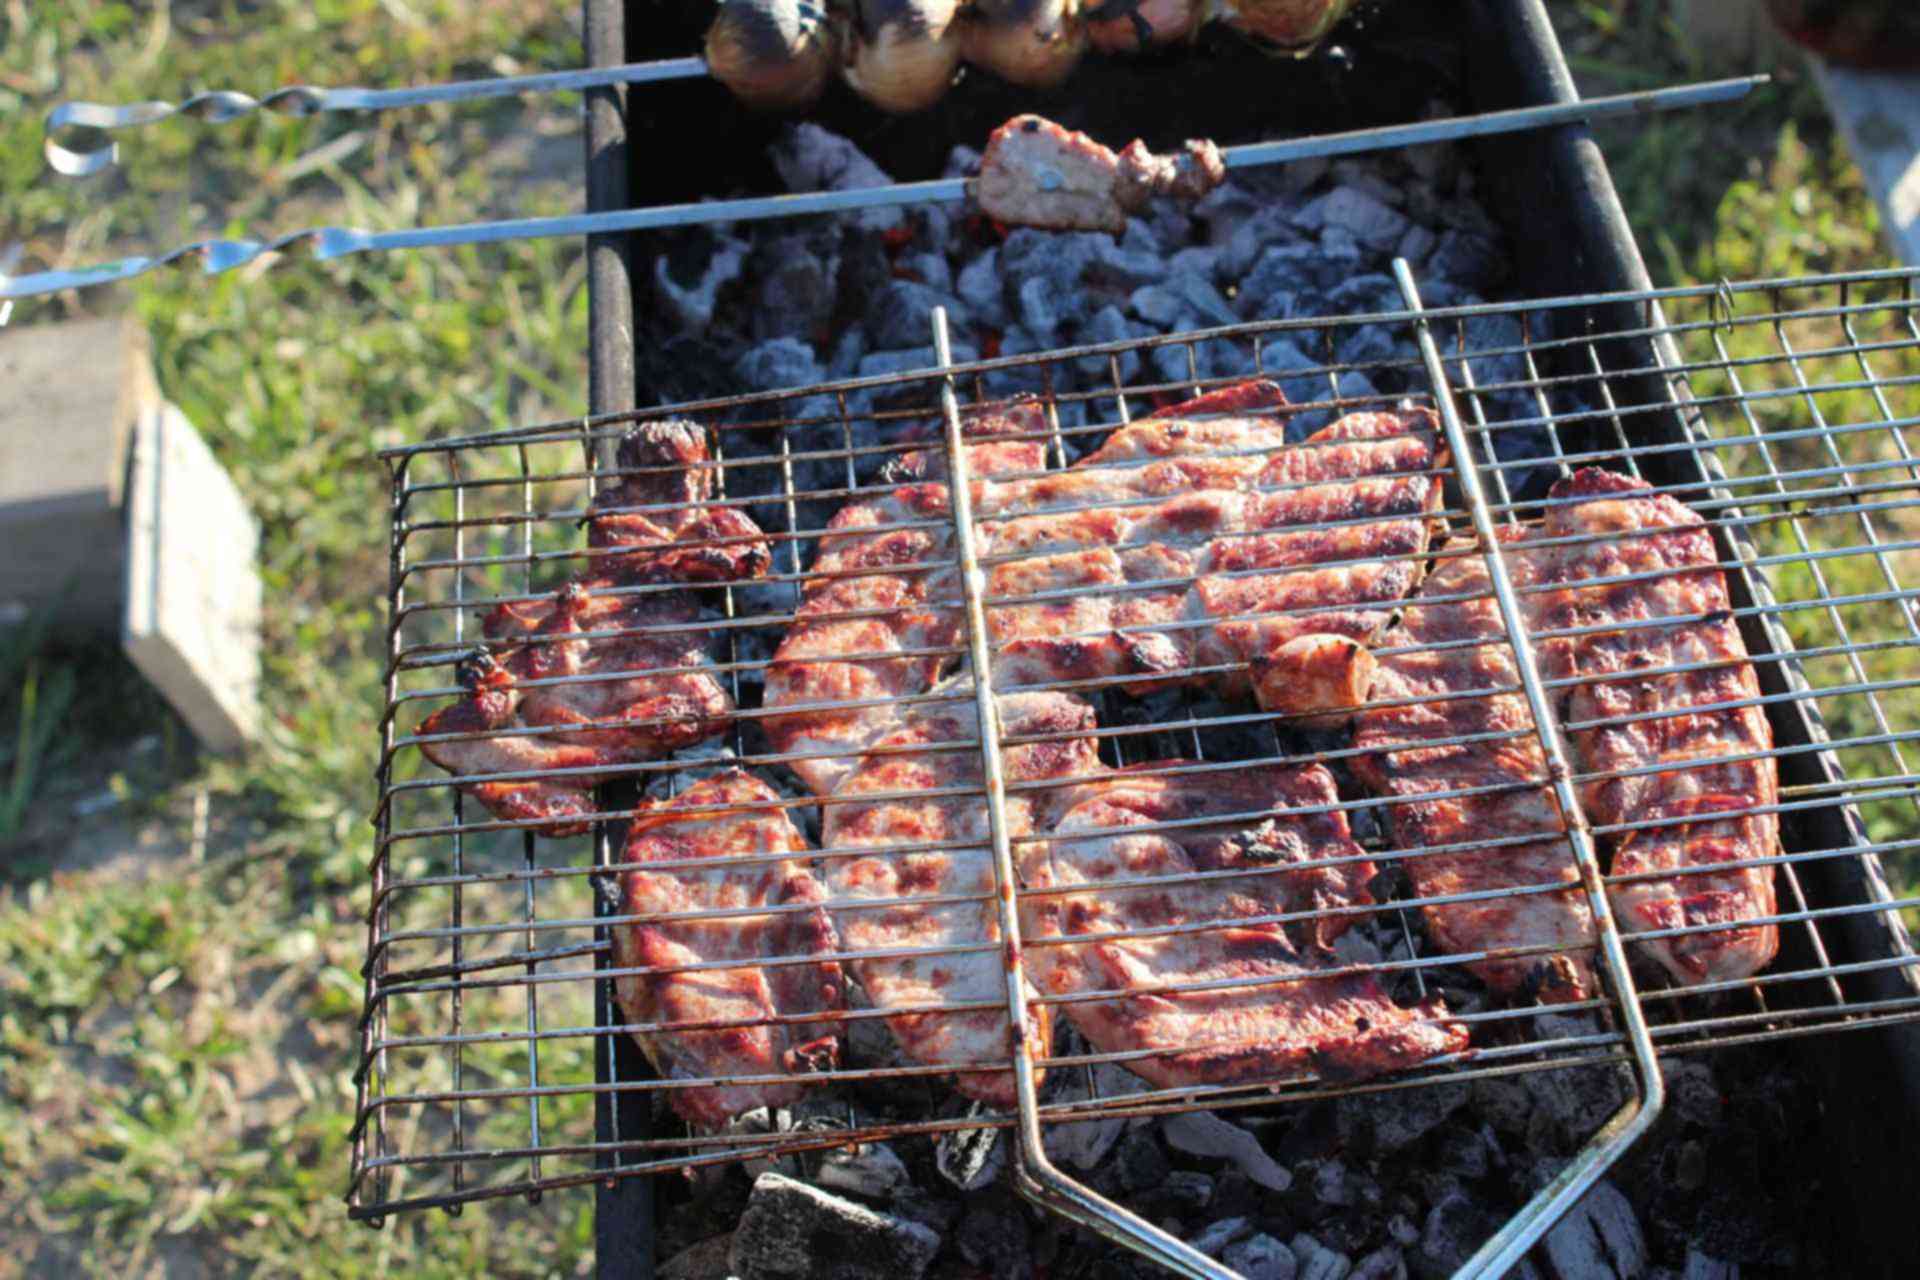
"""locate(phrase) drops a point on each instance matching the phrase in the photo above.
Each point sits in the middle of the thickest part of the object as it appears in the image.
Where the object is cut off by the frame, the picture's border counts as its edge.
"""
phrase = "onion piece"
(905, 52)
(774, 55)
(1033, 43)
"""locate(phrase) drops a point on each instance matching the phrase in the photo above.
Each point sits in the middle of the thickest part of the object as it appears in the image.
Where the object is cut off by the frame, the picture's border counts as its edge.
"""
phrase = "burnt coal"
(1261, 1257)
(971, 1159)
(994, 1237)
(1383, 1123)
(1600, 1239)
(793, 1231)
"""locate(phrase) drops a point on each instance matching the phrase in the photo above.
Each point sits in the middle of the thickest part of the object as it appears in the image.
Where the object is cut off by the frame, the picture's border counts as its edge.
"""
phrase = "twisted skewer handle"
(68, 122)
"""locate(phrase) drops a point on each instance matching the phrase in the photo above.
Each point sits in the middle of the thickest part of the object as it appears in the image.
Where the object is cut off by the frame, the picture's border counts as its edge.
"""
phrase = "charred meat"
(1036, 173)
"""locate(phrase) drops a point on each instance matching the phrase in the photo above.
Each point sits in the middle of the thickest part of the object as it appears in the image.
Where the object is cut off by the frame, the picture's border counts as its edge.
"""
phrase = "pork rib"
(645, 688)
(1212, 931)
(1704, 801)
(1458, 677)
(751, 1003)
(901, 794)
(619, 677)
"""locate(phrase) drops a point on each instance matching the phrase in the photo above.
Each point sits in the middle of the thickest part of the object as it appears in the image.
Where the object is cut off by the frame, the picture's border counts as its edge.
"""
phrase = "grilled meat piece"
(1703, 800)
(1178, 544)
(1215, 930)
(744, 1009)
(629, 691)
(880, 617)
(1035, 173)
(660, 518)
(902, 794)
(1464, 690)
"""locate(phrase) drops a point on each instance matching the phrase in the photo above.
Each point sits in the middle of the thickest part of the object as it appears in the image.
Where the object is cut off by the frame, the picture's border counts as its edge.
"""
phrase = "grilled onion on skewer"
(773, 54)
(904, 52)
(1127, 26)
(1035, 43)
(1294, 25)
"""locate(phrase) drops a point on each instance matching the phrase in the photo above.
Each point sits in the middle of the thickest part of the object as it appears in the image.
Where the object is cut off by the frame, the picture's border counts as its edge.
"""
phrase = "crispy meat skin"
(752, 993)
(1635, 532)
(1035, 173)
(651, 689)
(903, 775)
(1432, 680)
(692, 542)
(1345, 1027)
(676, 702)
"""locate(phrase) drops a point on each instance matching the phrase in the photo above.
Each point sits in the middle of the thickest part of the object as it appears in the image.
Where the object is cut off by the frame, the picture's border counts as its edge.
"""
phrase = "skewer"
(220, 106)
(324, 243)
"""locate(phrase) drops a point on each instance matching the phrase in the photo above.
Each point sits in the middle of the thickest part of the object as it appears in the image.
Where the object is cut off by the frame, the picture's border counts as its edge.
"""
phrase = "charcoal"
(1364, 176)
(868, 1169)
(1060, 260)
(962, 162)
(1135, 259)
(1693, 1096)
(930, 269)
(1001, 383)
(1466, 1153)
(710, 1259)
(1039, 309)
(897, 318)
(692, 300)
(1183, 1192)
(994, 1236)
(1415, 245)
(1202, 1133)
(1370, 220)
(1569, 1105)
(1402, 1229)
(1599, 1239)
(1224, 208)
(1281, 356)
(937, 1212)
(1384, 1263)
(1332, 1183)
(777, 363)
(1202, 300)
(793, 1230)
(793, 292)
(1137, 1164)
(1455, 1228)
(1268, 229)
(809, 158)
(971, 1158)
(1701, 1266)
(1317, 1262)
(845, 361)
(1373, 344)
(1109, 324)
(1158, 305)
(1235, 1195)
(981, 286)
(1468, 259)
(1261, 1257)
(1214, 1238)
(1196, 260)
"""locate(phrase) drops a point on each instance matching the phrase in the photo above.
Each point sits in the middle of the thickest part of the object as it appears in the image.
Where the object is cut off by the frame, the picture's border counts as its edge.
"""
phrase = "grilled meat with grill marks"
(880, 617)
(618, 677)
(1200, 932)
(1180, 544)
(748, 999)
(901, 793)
(1448, 692)
(660, 516)
(1702, 800)
(1035, 173)
(628, 690)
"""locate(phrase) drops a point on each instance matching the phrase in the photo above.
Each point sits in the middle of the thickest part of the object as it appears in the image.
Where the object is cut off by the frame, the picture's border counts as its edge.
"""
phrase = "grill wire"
(476, 1075)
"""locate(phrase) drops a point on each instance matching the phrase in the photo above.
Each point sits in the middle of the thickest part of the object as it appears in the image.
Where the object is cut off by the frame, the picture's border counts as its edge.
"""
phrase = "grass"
(176, 1095)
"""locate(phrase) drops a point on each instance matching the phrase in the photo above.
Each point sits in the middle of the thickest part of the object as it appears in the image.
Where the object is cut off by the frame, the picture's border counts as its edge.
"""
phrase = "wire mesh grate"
(1780, 412)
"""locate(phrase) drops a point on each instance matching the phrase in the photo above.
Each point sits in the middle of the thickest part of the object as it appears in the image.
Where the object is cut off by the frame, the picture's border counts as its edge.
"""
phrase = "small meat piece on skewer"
(1458, 678)
(903, 794)
(1033, 43)
(1702, 800)
(776, 55)
(1188, 933)
(615, 679)
(1036, 173)
(662, 517)
(758, 1019)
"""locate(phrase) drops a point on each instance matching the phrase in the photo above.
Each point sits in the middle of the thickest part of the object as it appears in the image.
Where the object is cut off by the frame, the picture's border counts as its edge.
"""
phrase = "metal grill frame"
(1891, 995)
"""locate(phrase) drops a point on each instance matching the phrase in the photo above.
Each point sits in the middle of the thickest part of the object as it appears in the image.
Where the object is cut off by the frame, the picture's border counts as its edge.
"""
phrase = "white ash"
(1202, 1133)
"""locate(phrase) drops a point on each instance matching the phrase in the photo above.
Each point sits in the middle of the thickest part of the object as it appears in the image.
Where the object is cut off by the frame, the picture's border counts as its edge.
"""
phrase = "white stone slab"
(1879, 114)
(192, 610)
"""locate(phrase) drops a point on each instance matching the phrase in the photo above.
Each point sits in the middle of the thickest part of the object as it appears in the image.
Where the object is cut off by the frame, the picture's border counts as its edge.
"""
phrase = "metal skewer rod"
(222, 105)
(325, 243)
